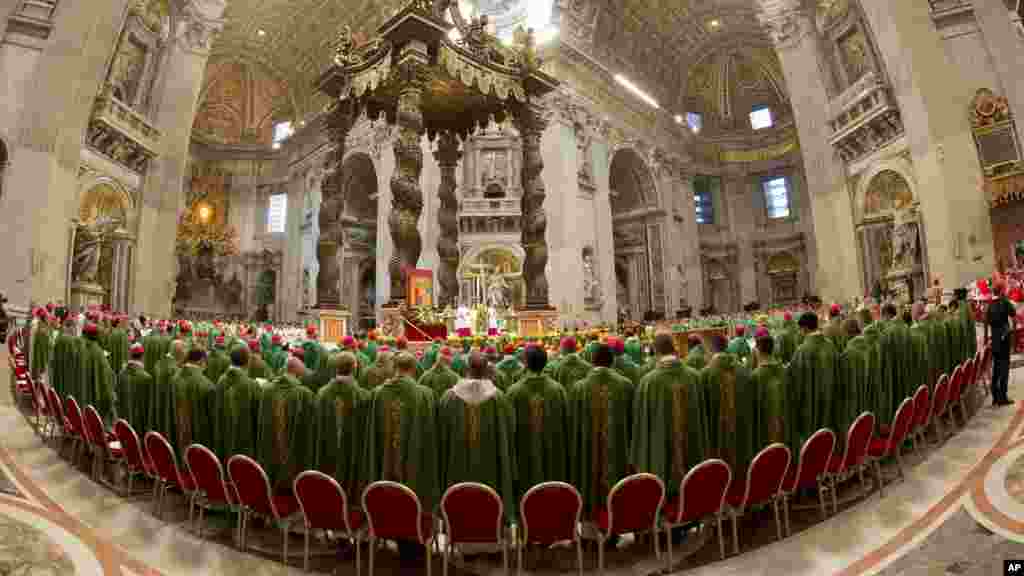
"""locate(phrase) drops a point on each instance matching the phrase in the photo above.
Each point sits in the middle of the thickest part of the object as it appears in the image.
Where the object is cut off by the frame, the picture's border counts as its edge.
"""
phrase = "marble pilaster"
(958, 229)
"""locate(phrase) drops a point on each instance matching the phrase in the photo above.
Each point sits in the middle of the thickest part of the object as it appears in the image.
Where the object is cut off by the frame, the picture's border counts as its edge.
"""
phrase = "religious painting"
(888, 191)
(855, 55)
(103, 202)
(421, 287)
(126, 73)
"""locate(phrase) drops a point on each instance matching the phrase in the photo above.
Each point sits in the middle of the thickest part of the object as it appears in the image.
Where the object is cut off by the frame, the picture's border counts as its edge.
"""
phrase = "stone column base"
(536, 323)
(333, 325)
(85, 294)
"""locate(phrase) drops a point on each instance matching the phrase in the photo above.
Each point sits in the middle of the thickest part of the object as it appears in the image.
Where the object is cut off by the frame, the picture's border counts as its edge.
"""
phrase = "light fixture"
(679, 119)
(625, 82)
(204, 213)
(261, 32)
(714, 24)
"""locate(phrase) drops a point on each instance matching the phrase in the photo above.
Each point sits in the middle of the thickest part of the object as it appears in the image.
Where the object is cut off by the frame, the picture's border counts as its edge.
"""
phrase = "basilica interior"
(599, 159)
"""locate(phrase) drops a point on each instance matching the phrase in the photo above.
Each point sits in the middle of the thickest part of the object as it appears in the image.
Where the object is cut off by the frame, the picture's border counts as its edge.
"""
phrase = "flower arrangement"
(194, 236)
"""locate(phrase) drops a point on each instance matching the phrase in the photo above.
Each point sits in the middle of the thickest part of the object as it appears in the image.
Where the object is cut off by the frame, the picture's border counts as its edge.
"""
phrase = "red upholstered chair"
(75, 426)
(60, 431)
(104, 445)
(324, 506)
(985, 372)
(168, 475)
(393, 512)
(953, 400)
(212, 490)
(884, 446)
(54, 419)
(701, 497)
(633, 506)
(550, 513)
(255, 498)
(135, 460)
(811, 471)
(922, 416)
(473, 514)
(763, 484)
(939, 399)
(854, 456)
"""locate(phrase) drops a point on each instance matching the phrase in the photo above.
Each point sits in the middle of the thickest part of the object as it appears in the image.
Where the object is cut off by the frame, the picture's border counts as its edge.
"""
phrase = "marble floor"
(959, 510)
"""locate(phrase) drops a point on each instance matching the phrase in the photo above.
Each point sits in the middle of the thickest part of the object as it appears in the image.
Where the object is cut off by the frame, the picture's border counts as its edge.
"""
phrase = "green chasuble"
(193, 406)
(669, 428)
(836, 332)
(600, 418)
(341, 408)
(156, 346)
(624, 365)
(66, 371)
(286, 444)
(786, 344)
(216, 363)
(134, 396)
(219, 410)
(163, 408)
(970, 330)
(327, 369)
(311, 354)
(509, 371)
(740, 348)
(938, 346)
(635, 351)
(276, 358)
(401, 440)
(732, 411)
(571, 370)
(922, 359)
(695, 358)
(813, 376)
(257, 367)
(852, 397)
(770, 381)
(459, 364)
(896, 354)
(40, 349)
(475, 424)
(241, 413)
(117, 345)
(552, 366)
(872, 391)
(381, 371)
(439, 378)
(541, 431)
(98, 382)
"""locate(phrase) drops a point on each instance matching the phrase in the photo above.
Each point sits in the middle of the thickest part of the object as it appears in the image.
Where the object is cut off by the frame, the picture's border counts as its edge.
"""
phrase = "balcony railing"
(121, 133)
(863, 118)
(490, 207)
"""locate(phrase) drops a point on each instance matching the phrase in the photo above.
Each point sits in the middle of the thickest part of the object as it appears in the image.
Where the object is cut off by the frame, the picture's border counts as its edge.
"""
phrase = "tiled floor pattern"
(68, 524)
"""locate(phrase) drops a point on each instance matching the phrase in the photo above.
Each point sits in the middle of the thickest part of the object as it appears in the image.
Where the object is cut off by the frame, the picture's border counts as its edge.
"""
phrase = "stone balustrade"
(490, 207)
(863, 118)
(121, 133)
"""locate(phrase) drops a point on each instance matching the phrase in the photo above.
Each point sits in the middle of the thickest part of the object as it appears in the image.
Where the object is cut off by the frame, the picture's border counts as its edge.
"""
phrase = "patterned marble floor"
(960, 510)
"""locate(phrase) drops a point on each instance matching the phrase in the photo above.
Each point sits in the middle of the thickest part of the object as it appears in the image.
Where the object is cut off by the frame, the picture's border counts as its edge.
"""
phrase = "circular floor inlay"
(1015, 480)
(27, 550)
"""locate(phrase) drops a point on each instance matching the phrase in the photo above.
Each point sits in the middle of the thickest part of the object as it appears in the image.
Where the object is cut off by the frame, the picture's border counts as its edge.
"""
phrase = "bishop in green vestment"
(157, 345)
(217, 361)
(117, 345)
(509, 370)
(163, 409)
(40, 346)
(769, 379)
(401, 440)
(695, 353)
(813, 376)
(257, 367)
(475, 428)
(194, 405)
(275, 356)
(788, 339)
(855, 376)
(135, 392)
(66, 360)
(623, 363)
(312, 350)
(381, 371)
(241, 406)
(287, 426)
(440, 377)
(669, 428)
(572, 368)
(732, 410)
(600, 427)
(97, 379)
(739, 346)
(835, 331)
(324, 373)
(341, 408)
(541, 432)
(222, 424)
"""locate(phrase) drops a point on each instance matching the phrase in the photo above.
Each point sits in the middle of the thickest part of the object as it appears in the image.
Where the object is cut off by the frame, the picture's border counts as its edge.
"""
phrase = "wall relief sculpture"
(89, 238)
(906, 247)
(593, 295)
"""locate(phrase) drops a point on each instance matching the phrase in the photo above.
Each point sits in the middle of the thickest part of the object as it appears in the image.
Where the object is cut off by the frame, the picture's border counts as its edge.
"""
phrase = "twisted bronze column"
(447, 156)
(332, 205)
(530, 122)
(406, 195)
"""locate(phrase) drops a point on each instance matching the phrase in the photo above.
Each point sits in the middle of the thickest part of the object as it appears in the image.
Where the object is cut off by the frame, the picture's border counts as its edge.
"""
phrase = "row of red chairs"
(549, 512)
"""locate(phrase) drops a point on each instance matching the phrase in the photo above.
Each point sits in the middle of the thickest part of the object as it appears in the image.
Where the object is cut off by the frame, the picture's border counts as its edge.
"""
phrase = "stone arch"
(631, 182)
(899, 167)
(105, 195)
(516, 252)
(359, 186)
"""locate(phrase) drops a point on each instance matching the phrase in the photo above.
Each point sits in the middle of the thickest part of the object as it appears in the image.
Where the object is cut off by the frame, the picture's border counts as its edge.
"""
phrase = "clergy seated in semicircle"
(65, 362)
(732, 408)
(600, 423)
(241, 401)
(341, 408)
(669, 433)
(624, 364)
(235, 374)
(383, 369)
(97, 379)
(326, 370)
(401, 440)
(540, 406)
(440, 377)
(812, 381)
(135, 389)
(475, 428)
(194, 404)
(217, 361)
(285, 443)
(163, 409)
(117, 345)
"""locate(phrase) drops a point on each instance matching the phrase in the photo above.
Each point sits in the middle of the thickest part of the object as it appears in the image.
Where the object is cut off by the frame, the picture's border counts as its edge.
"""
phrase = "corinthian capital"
(788, 24)
(200, 23)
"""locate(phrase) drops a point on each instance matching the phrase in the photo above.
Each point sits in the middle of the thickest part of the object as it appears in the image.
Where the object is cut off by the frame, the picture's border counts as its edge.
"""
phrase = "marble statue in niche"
(593, 296)
(88, 247)
(856, 56)
(497, 292)
(493, 166)
(905, 242)
(126, 73)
